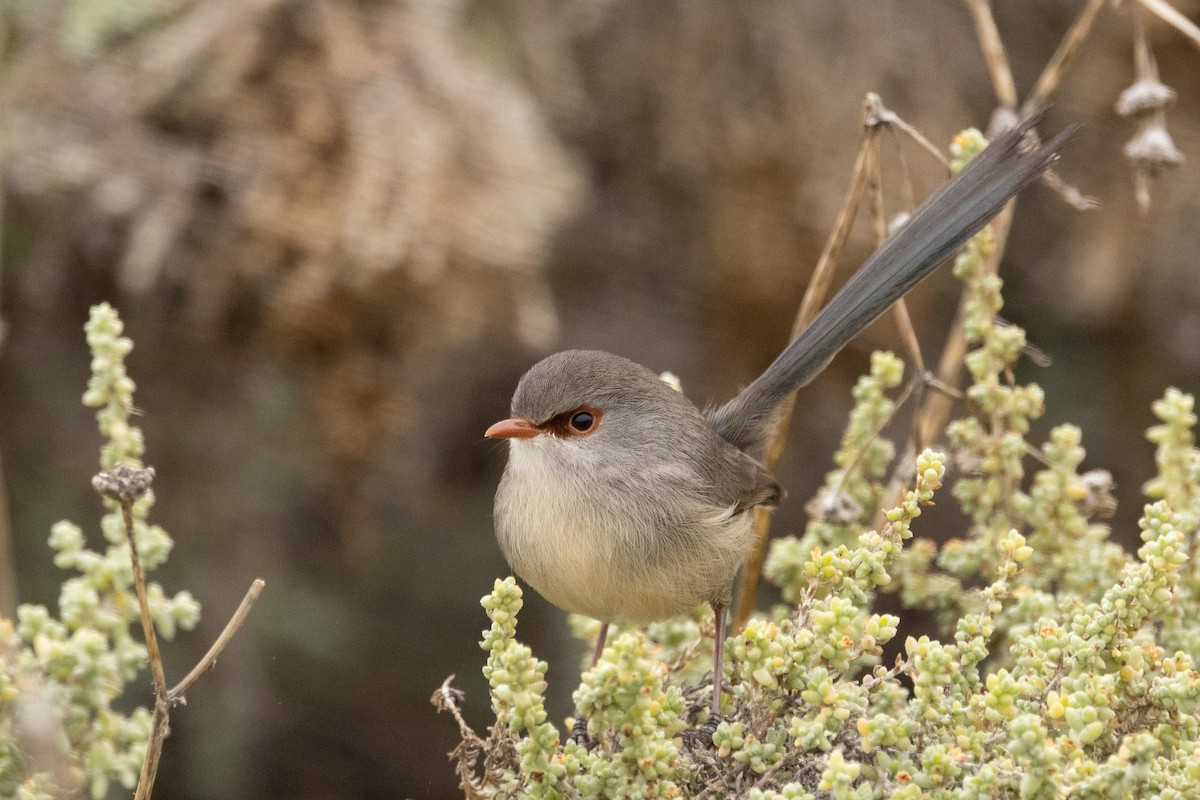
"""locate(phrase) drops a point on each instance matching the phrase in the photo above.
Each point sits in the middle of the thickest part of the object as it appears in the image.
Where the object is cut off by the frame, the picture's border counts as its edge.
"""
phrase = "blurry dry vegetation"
(400, 205)
(345, 182)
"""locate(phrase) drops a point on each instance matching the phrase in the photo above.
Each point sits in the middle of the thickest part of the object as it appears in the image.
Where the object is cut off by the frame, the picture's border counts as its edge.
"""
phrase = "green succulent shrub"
(60, 675)
(1065, 666)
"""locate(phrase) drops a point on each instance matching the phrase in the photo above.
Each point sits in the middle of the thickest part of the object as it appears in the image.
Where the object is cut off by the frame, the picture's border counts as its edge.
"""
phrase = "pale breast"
(631, 545)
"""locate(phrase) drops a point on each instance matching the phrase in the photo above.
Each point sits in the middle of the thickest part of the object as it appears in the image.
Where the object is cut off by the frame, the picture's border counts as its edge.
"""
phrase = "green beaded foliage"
(60, 675)
(1048, 662)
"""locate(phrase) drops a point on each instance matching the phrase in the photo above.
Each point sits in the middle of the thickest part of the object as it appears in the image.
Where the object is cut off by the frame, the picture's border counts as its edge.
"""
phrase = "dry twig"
(865, 178)
(1056, 67)
(814, 298)
(8, 572)
(900, 310)
(178, 695)
(125, 485)
(1170, 15)
(993, 52)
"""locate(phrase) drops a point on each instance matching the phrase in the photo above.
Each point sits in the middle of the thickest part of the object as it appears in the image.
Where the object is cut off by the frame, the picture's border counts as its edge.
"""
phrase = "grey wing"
(743, 482)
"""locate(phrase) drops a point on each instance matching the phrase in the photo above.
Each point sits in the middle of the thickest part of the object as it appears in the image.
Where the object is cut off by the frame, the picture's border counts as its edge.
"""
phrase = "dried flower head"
(1153, 149)
(1143, 96)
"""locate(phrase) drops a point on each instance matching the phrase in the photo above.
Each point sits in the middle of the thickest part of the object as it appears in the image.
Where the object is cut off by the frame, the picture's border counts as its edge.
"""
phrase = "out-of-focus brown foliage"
(344, 180)
(405, 203)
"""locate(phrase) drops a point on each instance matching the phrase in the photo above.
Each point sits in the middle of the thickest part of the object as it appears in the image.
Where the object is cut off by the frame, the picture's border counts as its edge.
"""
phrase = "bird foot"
(702, 736)
(579, 733)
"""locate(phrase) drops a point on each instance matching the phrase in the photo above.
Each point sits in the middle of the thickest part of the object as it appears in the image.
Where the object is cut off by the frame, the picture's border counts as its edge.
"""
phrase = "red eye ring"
(578, 422)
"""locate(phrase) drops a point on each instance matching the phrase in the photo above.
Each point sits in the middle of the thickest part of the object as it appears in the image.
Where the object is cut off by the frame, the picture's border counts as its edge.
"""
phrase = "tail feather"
(941, 225)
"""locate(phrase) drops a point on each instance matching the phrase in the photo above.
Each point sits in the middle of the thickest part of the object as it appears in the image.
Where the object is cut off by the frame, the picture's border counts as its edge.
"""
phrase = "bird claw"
(579, 733)
(702, 736)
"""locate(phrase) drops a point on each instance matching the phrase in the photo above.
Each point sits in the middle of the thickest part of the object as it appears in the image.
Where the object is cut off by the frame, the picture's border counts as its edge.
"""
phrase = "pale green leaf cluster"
(1061, 664)
(60, 675)
(1043, 686)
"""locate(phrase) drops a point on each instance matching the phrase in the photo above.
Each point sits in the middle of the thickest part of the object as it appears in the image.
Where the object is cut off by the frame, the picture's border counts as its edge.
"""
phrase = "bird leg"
(703, 734)
(579, 733)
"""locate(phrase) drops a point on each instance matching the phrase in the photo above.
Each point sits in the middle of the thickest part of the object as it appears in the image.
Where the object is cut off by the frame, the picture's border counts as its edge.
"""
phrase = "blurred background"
(338, 231)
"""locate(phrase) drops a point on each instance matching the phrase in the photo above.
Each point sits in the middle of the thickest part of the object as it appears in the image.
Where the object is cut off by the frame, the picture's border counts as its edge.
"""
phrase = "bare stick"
(139, 584)
(908, 333)
(467, 754)
(447, 698)
(993, 52)
(158, 732)
(8, 572)
(1168, 14)
(1052, 75)
(879, 115)
(818, 287)
(125, 485)
(177, 694)
(814, 298)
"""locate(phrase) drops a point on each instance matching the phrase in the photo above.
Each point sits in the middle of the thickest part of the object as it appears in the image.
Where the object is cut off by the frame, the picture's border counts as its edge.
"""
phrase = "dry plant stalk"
(1170, 15)
(900, 310)
(994, 52)
(866, 176)
(934, 411)
(935, 407)
(1056, 67)
(125, 485)
(8, 571)
(814, 298)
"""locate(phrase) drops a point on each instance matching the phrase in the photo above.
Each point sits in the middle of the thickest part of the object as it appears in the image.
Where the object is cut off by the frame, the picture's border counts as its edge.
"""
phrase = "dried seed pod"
(1144, 96)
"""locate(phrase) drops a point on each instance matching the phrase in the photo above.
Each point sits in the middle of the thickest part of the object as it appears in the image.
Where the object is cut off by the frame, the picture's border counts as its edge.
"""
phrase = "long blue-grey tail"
(941, 225)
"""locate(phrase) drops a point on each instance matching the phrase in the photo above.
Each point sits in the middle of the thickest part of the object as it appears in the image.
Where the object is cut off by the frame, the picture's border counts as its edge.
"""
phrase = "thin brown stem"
(814, 299)
(994, 53)
(139, 585)
(1170, 15)
(1056, 67)
(908, 333)
(8, 571)
(926, 145)
(178, 694)
(158, 723)
(894, 122)
(1143, 60)
(158, 732)
(827, 264)
(936, 385)
(125, 485)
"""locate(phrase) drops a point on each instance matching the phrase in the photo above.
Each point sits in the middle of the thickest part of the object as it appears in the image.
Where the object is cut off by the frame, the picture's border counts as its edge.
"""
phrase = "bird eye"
(582, 421)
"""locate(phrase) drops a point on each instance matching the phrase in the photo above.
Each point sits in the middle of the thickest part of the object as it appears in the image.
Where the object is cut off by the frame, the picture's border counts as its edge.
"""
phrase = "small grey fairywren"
(622, 501)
